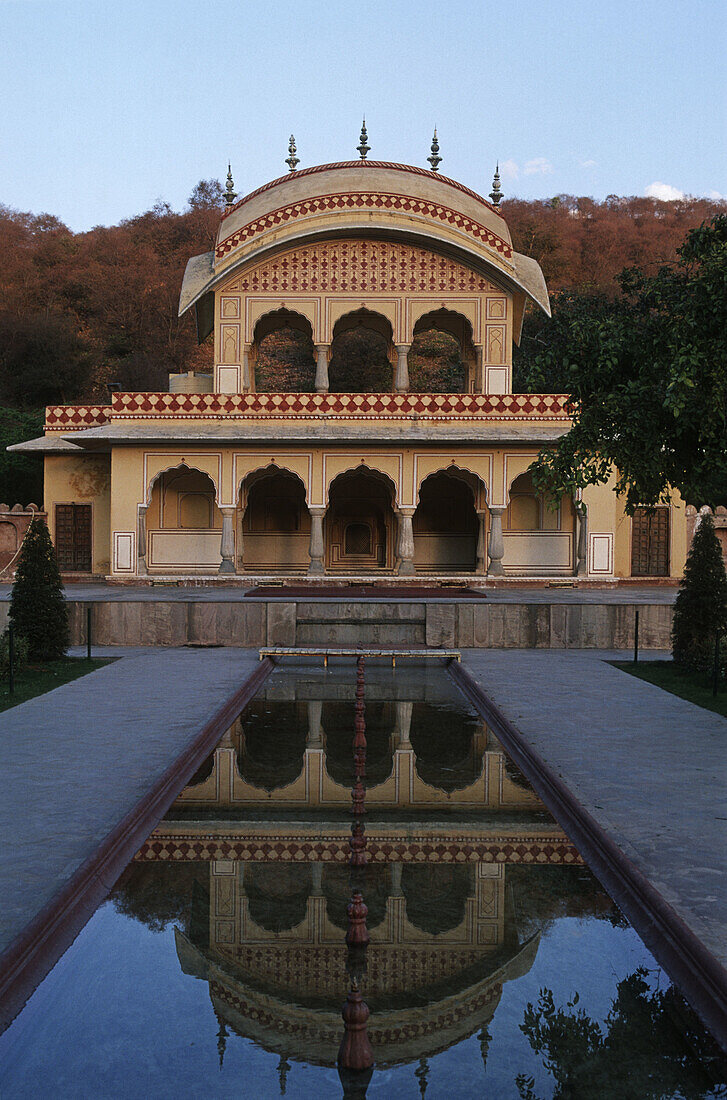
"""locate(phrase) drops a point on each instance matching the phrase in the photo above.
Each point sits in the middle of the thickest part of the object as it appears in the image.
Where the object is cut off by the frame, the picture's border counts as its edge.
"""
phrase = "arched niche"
(529, 510)
(436, 895)
(337, 719)
(361, 350)
(282, 355)
(275, 522)
(277, 894)
(183, 498)
(360, 523)
(442, 357)
(445, 523)
(274, 736)
(448, 761)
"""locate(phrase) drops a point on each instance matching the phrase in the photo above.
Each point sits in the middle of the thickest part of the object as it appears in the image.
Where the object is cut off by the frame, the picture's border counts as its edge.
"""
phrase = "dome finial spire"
(496, 192)
(363, 146)
(435, 160)
(291, 160)
(230, 193)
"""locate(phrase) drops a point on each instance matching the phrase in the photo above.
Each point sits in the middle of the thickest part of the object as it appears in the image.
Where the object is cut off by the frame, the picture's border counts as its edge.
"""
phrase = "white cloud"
(663, 191)
(588, 164)
(509, 169)
(539, 166)
(716, 195)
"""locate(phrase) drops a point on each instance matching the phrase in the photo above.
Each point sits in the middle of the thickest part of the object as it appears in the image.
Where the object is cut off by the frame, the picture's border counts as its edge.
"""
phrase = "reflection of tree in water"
(277, 893)
(374, 881)
(650, 1047)
(157, 894)
(436, 894)
(542, 894)
(443, 741)
(274, 739)
(337, 721)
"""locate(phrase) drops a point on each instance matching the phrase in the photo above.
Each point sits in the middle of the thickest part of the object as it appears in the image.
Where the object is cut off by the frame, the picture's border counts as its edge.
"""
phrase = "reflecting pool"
(496, 966)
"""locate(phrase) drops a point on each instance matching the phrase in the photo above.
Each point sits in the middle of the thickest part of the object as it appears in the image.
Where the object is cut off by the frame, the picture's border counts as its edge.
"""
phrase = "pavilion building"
(324, 474)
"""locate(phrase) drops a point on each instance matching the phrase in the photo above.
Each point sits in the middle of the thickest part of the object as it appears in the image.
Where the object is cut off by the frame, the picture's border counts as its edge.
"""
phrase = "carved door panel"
(73, 537)
(650, 543)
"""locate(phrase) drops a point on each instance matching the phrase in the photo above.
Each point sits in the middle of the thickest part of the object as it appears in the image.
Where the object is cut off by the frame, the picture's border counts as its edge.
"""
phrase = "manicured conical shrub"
(38, 609)
(700, 611)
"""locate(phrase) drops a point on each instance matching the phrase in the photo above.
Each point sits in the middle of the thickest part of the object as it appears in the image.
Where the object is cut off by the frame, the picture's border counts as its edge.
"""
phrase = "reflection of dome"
(398, 1034)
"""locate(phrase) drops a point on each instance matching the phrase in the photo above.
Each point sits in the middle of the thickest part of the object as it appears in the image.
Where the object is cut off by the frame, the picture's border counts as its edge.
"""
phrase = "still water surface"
(497, 965)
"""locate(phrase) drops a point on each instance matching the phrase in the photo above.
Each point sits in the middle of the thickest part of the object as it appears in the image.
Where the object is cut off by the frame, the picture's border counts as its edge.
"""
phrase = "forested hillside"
(78, 310)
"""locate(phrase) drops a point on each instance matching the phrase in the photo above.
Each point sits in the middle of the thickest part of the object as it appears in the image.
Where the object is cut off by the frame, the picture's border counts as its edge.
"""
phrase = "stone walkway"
(648, 766)
(77, 760)
(517, 594)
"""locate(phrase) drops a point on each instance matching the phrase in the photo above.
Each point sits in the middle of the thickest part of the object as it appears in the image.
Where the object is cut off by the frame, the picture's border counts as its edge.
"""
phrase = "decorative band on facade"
(364, 200)
(337, 850)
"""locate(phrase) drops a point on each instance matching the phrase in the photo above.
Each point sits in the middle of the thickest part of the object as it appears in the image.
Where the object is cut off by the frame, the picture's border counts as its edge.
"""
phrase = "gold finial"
(363, 146)
(291, 160)
(496, 192)
(435, 160)
(230, 193)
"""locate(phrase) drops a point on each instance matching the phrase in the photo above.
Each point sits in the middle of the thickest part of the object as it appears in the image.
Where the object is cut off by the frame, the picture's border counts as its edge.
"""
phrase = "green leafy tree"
(21, 476)
(38, 609)
(650, 1047)
(647, 379)
(700, 611)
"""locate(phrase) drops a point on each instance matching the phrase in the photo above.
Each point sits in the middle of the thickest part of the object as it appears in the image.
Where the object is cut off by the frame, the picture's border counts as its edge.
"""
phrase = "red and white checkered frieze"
(365, 200)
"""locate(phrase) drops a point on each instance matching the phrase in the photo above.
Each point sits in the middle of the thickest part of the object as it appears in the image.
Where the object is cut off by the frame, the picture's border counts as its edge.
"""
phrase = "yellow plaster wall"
(82, 479)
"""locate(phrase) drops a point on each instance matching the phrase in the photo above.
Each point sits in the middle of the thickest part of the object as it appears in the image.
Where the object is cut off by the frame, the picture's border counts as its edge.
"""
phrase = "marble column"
(141, 540)
(317, 546)
(395, 886)
(481, 565)
(401, 377)
(581, 568)
(496, 548)
(403, 724)
(315, 731)
(227, 542)
(246, 376)
(405, 549)
(322, 352)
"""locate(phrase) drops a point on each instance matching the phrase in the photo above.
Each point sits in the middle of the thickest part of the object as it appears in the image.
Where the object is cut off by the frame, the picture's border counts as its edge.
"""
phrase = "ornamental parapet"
(302, 406)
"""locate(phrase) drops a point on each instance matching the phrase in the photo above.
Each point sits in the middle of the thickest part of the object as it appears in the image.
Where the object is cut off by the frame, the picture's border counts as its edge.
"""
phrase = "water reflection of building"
(442, 945)
(292, 749)
(448, 819)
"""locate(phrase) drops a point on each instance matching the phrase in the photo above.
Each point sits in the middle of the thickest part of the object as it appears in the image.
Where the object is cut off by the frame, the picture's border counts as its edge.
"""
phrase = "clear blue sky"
(110, 105)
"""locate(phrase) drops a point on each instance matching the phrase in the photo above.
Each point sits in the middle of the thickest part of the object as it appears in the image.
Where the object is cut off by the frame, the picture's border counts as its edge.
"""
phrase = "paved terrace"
(648, 766)
(77, 760)
(514, 594)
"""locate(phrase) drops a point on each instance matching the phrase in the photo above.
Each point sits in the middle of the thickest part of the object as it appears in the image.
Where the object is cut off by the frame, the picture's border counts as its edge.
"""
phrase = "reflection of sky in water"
(117, 1017)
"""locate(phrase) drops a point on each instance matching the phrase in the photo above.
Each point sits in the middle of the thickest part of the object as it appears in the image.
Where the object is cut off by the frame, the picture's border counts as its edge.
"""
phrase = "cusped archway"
(183, 521)
(442, 357)
(275, 524)
(282, 353)
(446, 525)
(360, 522)
(360, 354)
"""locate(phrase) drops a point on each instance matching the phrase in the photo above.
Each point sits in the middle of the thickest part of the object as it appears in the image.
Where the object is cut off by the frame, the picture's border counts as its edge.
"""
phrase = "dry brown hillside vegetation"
(79, 310)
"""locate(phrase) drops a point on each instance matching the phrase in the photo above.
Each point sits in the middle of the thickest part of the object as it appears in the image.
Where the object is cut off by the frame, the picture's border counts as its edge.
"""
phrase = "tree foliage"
(700, 611)
(38, 609)
(647, 380)
(651, 1047)
(21, 476)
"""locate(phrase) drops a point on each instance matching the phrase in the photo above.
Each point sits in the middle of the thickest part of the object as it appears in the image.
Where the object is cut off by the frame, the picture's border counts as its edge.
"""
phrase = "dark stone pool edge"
(698, 974)
(32, 954)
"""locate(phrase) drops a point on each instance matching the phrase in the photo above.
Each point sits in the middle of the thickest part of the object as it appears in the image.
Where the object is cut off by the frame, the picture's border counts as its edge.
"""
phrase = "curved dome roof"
(365, 198)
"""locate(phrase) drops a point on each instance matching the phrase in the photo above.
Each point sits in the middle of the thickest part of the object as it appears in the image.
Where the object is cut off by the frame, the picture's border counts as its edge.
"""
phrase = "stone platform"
(509, 618)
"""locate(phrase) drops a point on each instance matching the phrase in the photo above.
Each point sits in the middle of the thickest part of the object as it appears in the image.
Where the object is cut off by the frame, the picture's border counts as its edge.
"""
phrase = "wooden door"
(73, 537)
(650, 542)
